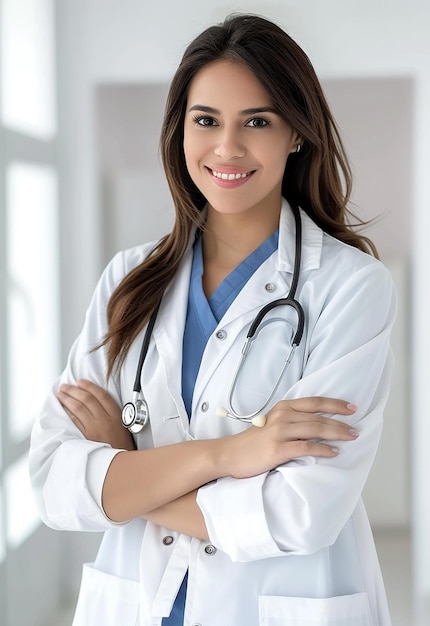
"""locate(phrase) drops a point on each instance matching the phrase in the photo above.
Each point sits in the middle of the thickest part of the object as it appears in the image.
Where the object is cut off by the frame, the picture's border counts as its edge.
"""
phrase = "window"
(2, 534)
(32, 297)
(21, 515)
(27, 67)
(29, 260)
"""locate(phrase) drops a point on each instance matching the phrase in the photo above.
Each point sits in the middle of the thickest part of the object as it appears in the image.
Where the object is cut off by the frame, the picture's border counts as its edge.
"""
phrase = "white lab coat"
(289, 547)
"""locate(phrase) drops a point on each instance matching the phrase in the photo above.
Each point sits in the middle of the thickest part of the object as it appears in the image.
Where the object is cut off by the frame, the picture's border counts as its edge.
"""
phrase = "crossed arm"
(160, 484)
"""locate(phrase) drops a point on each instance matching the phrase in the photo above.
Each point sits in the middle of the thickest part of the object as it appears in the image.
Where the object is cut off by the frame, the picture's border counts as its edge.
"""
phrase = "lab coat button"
(270, 287)
(210, 549)
(221, 334)
(168, 540)
(205, 406)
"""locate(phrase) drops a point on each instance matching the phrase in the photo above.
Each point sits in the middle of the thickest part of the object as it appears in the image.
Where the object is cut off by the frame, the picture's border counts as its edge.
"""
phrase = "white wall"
(136, 41)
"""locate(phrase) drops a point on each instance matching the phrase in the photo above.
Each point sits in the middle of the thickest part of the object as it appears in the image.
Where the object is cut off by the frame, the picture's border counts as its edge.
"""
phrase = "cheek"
(186, 146)
(192, 160)
(192, 151)
(275, 160)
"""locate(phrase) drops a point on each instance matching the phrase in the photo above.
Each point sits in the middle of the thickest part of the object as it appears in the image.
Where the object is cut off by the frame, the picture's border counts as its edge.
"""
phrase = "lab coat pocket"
(106, 599)
(350, 610)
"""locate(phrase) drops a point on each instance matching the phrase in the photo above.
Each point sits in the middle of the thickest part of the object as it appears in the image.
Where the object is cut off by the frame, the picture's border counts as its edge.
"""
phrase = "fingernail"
(354, 432)
(351, 407)
(335, 450)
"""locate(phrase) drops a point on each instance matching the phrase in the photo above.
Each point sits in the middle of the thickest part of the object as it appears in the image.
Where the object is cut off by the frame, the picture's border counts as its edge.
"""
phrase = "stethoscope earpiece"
(221, 412)
(258, 420)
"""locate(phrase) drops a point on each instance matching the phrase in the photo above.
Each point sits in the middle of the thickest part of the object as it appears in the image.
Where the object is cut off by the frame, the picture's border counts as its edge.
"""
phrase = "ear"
(296, 142)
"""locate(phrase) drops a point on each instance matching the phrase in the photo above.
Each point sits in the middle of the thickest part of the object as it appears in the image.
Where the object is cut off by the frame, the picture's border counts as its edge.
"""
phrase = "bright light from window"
(22, 518)
(2, 541)
(32, 311)
(27, 66)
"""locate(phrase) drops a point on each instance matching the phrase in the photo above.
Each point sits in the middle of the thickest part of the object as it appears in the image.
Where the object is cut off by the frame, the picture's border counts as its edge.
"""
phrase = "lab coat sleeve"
(301, 506)
(67, 470)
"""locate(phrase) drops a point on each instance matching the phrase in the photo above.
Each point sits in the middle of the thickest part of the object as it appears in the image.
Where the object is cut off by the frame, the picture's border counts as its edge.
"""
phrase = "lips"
(229, 177)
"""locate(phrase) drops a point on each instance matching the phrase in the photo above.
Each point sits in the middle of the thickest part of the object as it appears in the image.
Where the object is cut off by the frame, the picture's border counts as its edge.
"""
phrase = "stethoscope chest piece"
(135, 415)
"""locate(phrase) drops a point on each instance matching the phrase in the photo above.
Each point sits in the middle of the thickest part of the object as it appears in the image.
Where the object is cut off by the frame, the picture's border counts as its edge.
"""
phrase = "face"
(236, 145)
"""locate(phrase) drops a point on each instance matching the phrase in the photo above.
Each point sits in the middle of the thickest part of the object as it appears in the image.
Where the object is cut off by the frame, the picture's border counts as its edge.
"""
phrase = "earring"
(299, 147)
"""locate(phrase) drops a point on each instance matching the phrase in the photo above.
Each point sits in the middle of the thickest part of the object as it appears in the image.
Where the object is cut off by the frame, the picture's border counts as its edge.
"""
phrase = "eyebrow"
(253, 111)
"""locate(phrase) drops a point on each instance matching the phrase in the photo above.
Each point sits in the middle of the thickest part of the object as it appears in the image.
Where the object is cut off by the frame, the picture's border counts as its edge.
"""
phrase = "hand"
(139, 483)
(95, 413)
(294, 428)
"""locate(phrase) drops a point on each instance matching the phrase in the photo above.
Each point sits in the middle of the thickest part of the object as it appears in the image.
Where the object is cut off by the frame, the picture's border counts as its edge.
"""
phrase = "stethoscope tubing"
(288, 301)
(135, 414)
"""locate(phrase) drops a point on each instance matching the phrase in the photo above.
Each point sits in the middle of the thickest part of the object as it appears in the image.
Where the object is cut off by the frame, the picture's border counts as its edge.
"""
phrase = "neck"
(229, 239)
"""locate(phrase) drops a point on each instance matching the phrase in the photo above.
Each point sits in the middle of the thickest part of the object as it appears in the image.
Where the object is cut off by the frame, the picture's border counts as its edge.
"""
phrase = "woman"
(211, 520)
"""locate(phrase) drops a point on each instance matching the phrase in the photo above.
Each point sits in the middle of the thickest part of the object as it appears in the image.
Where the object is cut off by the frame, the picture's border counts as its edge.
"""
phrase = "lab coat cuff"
(72, 491)
(235, 518)
(99, 461)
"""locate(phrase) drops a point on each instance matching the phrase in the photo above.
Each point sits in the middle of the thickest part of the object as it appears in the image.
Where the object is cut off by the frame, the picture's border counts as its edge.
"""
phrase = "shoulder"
(342, 260)
(123, 263)
(347, 273)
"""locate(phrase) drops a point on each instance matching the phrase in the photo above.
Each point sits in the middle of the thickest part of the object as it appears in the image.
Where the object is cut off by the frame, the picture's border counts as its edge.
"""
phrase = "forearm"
(182, 515)
(138, 482)
(142, 481)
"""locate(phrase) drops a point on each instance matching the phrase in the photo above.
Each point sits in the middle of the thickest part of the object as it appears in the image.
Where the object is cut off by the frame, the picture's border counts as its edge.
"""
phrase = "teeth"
(229, 176)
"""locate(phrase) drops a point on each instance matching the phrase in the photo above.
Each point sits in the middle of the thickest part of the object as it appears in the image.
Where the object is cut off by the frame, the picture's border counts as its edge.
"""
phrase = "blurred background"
(82, 89)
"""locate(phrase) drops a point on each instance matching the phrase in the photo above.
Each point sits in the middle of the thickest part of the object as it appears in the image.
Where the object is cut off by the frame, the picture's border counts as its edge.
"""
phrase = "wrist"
(219, 455)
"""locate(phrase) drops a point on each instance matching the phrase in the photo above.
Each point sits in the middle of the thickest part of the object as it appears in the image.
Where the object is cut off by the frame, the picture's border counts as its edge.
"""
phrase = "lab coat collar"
(176, 295)
(312, 239)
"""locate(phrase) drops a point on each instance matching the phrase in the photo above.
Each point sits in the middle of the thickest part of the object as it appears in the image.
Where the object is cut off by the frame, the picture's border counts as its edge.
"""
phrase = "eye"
(258, 122)
(204, 120)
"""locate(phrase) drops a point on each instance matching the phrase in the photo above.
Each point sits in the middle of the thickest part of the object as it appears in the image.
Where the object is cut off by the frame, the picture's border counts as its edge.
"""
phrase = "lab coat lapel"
(271, 281)
(169, 330)
(239, 317)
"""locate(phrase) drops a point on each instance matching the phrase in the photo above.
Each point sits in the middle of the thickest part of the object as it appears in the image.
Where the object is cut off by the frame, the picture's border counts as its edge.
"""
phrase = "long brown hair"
(318, 178)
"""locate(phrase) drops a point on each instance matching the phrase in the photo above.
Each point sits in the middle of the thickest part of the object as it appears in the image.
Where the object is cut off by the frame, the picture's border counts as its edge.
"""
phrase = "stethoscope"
(135, 414)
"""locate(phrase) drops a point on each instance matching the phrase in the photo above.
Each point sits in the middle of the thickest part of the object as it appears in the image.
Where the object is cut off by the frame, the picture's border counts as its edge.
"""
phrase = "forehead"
(225, 83)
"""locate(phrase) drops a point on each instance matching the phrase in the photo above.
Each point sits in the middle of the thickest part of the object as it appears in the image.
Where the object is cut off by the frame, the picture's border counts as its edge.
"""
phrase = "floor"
(395, 558)
(394, 554)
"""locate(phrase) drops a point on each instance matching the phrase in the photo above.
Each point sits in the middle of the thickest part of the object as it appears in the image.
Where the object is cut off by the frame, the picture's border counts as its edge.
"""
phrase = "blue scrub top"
(203, 316)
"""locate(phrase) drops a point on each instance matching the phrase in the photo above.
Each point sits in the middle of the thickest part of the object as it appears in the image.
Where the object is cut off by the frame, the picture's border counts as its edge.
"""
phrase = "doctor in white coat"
(211, 520)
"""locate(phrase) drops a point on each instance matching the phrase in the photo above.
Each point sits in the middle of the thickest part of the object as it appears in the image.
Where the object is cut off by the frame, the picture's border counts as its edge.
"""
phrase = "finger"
(74, 405)
(318, 430)
(283, 413)
(85, 398)
(76, 421)
(103, 397)
(299, 449)
(319, 404)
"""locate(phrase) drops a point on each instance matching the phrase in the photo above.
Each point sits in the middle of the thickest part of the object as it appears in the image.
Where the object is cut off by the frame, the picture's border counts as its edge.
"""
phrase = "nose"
(229, 145)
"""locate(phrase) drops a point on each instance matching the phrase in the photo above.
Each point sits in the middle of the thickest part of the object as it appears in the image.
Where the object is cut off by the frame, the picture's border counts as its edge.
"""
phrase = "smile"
(225, 176)
(230, 180)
